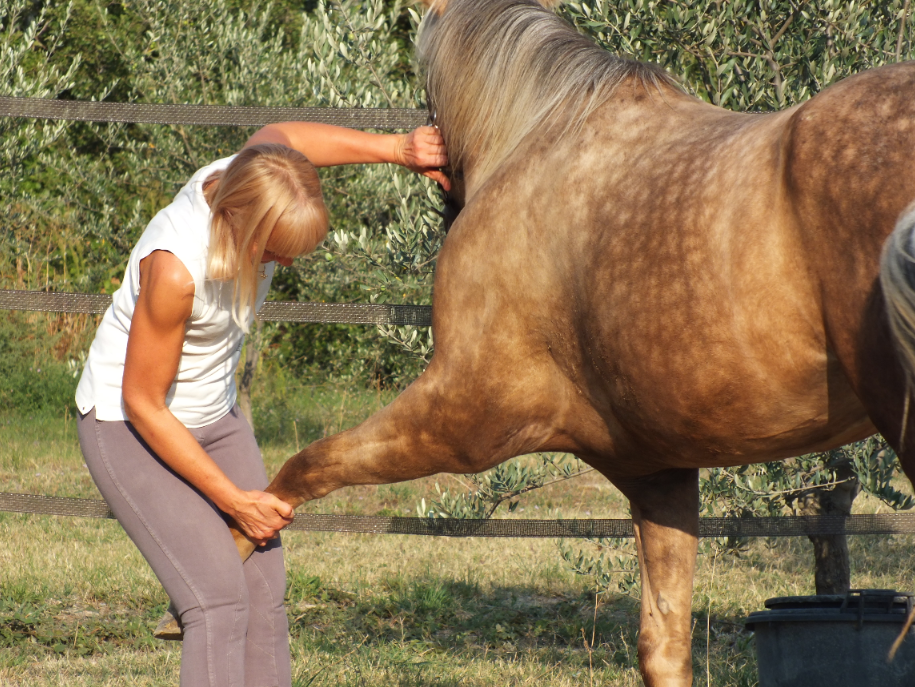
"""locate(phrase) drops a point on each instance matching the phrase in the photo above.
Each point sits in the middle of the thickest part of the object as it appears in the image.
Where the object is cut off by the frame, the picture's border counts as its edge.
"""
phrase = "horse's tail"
(897, 279)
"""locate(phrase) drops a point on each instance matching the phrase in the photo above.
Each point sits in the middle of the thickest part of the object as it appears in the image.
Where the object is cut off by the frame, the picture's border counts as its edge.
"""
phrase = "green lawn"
(78, 603)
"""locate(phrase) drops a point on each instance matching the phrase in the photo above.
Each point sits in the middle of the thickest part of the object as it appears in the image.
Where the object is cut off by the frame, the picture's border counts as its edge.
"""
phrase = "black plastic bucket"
(834, 641)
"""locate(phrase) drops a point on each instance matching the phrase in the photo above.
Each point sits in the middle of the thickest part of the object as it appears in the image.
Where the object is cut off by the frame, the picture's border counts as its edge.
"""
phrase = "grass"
(78, 603)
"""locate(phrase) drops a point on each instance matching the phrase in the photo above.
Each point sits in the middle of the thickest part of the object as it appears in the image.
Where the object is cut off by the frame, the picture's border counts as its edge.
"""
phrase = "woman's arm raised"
(422, 150)
(154, 345)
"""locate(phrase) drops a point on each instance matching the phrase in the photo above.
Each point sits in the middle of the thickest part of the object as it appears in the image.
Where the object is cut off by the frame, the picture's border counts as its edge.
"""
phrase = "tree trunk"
(252, 353)
(830, 553)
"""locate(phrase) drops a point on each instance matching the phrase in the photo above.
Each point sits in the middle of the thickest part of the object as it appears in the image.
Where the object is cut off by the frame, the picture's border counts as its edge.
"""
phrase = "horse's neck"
(632, 100)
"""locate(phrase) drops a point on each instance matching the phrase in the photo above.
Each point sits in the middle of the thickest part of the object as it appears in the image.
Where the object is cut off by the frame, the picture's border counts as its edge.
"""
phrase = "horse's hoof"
(169, 628)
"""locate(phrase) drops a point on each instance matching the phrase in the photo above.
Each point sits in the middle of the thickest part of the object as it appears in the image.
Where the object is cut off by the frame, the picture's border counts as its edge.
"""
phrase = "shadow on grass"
(444, 614)
(434, 632)
(419, 628)
(41, 628)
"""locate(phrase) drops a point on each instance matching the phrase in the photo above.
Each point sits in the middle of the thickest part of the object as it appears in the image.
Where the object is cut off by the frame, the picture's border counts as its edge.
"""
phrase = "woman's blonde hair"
(268, 193)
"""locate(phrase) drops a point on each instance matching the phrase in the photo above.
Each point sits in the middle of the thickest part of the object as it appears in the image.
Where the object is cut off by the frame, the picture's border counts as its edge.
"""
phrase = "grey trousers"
(235, 627)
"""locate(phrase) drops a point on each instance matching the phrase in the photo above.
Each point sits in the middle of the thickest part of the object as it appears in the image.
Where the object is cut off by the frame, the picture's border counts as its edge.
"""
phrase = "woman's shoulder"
(189, 212)
(190, 196)
(168, 277)
(183, 226)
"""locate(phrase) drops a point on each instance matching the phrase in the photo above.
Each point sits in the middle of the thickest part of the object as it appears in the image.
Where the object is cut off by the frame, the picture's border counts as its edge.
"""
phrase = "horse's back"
(848, 169)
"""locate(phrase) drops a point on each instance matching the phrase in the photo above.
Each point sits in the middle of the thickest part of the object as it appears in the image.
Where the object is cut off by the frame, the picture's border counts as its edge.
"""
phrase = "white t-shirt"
(204, 388)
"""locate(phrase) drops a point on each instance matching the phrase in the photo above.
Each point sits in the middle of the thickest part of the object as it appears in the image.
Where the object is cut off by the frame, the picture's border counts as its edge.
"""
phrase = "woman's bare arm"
(157, 332)
(422, 150)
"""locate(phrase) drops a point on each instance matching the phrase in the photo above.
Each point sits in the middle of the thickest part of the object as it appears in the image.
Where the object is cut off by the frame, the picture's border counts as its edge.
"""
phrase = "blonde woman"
(159, 428)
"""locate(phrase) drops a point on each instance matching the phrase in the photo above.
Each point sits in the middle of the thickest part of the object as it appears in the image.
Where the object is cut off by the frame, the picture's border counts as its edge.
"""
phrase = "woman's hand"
(423, 151)
(260, 515)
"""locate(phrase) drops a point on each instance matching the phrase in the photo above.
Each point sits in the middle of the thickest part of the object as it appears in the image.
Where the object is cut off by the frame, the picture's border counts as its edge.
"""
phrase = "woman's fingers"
(261, 516)
(283, 509)
(428, 147)
(439, 177)
(423, 151)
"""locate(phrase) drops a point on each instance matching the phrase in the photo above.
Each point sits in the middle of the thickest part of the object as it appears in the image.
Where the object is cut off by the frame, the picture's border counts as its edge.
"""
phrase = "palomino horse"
(647, 281)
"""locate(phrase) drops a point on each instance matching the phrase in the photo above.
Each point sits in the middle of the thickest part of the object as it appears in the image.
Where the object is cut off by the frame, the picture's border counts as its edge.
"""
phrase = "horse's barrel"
(834, 640)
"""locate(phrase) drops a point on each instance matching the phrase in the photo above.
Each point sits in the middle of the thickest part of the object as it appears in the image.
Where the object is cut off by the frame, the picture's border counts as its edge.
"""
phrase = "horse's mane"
(496, 70)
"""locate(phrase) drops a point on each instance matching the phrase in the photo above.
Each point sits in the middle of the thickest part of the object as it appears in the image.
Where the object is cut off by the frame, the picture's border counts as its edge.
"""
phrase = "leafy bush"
(31, 378)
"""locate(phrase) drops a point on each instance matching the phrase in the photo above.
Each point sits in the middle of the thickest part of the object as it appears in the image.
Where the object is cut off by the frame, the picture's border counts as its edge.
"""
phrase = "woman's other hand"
(423, 151)
(260, 515)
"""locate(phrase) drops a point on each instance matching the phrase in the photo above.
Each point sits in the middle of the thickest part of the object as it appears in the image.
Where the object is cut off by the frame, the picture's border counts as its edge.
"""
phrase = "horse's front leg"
(446, 421)
(452, 419)
(665, 516)
(419, 434)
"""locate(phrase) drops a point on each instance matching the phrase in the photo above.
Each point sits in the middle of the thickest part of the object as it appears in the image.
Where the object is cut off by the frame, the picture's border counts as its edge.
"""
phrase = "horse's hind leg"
(665, 516)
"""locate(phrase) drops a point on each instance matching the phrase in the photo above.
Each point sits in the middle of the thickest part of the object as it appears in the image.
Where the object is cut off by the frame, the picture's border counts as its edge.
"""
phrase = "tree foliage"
(751, 55)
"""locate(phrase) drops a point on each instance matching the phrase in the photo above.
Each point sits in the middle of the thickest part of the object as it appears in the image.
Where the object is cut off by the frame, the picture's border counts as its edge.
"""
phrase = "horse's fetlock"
(660, 669)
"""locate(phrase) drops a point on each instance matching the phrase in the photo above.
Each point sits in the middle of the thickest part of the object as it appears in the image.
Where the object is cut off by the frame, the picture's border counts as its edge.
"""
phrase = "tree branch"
(901, 33)
(509, 497)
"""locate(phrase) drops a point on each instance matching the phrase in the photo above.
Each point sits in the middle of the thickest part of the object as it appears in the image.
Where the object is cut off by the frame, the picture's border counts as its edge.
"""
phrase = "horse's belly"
(725, 409)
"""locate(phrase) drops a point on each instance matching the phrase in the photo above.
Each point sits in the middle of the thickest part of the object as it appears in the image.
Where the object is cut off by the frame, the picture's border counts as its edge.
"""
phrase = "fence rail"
(209, 115)
(272, 311)
(882, 523)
